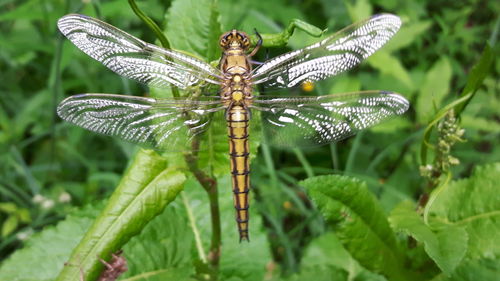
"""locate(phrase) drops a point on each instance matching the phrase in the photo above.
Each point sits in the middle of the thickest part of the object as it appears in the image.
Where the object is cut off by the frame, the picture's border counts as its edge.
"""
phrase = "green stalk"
(303, 160)
(281, 39)
(210, 185)
(354, 150)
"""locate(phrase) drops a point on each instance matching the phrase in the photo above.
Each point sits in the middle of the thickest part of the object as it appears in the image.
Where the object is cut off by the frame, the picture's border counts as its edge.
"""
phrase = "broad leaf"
(408, 34)
(474, 204)
(446, 245)
(435, 87)
(144, 191)
(193, 26)
(327, 252)
(239, 261)
(388, 64)
(484, 269)
(50, 248)
(320, 273)
(164, 246)
(359, 223)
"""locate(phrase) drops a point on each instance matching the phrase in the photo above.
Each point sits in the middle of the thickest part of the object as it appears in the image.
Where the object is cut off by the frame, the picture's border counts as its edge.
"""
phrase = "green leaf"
(479, 72)
(144, 191)
(474, 204)
(24, 11)
(433, 90)
(50, 248)
(24, 215)
(359, 223)
(396, 125)
(484, 269)
(474, 81)
(326, 251)
(8, 207)
(9, 225)
(320, 273)
(163, 246)
(480, 123)
(408, 33)
(388, 64)
(239, 261)
(446, 245)
(184, 273)
(345, 84)
(360, 10)
(193, 26)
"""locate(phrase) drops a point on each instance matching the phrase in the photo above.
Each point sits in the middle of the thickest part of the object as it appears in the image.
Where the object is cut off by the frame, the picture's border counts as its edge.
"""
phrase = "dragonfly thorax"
(237, 96)
(236, 90)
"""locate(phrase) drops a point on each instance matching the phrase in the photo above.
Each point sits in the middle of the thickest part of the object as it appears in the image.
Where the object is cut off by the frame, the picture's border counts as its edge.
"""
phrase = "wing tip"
(62, 107)
(65, 23)
(393, 19)
(403, 103)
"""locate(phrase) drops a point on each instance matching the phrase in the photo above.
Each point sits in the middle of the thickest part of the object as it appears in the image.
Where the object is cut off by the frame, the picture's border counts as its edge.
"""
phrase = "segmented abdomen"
(237, 124)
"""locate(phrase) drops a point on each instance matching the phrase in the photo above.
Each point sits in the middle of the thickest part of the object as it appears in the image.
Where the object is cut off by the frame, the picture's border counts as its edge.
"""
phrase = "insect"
(116, 267)
(173, 123)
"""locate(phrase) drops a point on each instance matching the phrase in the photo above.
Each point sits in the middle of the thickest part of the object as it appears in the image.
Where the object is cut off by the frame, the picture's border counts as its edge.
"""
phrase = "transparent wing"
(164, 124)
(331, 56)
(134, 58)
(324, 119)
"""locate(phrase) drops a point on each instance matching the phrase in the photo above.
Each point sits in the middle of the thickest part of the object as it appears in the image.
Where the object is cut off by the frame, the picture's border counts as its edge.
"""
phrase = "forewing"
(308, 121)
(331, 56)
(134, 58)
(164, 124)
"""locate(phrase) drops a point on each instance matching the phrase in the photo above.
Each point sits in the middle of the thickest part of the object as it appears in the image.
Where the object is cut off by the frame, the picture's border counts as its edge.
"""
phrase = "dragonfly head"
(234, 39)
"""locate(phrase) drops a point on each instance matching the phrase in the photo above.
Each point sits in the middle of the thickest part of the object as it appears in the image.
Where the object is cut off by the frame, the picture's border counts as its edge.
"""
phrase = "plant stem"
(281, 39)
(354, 150)
(305, 164)
(210, 185)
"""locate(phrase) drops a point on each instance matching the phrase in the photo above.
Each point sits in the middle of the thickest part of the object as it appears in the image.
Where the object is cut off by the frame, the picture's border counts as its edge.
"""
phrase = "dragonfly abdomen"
(237, 124)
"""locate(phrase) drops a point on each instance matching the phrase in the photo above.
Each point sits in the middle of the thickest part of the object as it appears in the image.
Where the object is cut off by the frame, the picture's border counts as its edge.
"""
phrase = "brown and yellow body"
(237, 95)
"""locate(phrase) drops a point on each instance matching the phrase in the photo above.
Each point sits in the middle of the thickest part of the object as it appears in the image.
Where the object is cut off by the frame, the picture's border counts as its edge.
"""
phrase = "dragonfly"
(174, 123)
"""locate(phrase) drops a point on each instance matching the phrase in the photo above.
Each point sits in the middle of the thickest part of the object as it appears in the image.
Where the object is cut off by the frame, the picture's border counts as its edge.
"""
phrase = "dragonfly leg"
(257, 46)
(256, 62)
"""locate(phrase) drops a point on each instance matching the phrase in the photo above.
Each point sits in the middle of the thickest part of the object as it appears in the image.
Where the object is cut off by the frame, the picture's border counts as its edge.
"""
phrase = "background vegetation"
(412, 199)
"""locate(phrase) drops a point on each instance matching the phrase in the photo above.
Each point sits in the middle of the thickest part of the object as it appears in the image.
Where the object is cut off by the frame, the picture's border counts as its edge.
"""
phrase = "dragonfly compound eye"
(246, 42)
(225, 39)
(223, 42)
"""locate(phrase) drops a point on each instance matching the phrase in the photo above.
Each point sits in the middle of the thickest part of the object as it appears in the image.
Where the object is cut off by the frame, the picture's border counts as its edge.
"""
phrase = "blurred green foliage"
(361, 223)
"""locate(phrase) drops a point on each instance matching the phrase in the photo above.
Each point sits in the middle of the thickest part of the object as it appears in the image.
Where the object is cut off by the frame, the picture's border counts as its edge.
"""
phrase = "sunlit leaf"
(474, 204)
(327, 251)
(446, 245)
(9, 225)
(144, 191)
(164, 246)
(408, 34)
(359, 223)
(433, 90)
(388, 64)
(193, 26)
(51, 248)
(242, 261)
